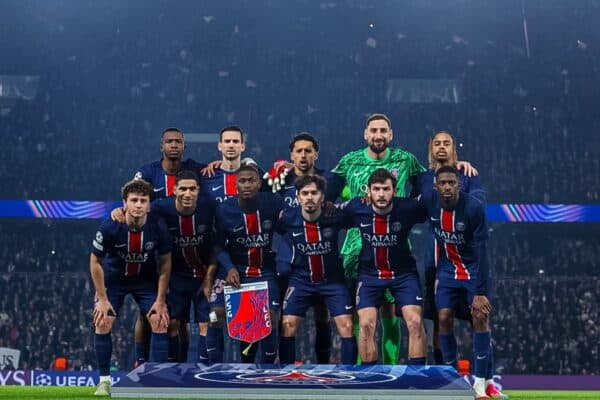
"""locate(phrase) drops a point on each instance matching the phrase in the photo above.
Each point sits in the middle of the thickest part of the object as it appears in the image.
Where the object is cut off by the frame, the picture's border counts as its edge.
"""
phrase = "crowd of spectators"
(102, 103)
(112, 77)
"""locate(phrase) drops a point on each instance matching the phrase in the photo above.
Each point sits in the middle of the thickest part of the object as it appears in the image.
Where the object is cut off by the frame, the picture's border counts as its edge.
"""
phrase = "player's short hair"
(430, 156)
(447, 169)
(381, 175)
(137, 186)
(375, 117)
(234, 128)
(304, 136)
(306, 180)
(186, 174)
(249, 167)
(171, 129)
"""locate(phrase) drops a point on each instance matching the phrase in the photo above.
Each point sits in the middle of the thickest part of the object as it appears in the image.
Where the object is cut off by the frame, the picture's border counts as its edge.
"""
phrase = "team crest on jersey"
(138, 175)
(460, 226)
(396, 227)
(201, 228)
(99, 237)
(395, 172)
(149, 246)
(327, 232)
(267, 224)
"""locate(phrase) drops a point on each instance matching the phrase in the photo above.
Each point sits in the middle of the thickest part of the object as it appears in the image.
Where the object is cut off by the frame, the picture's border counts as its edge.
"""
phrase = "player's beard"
(378, 148)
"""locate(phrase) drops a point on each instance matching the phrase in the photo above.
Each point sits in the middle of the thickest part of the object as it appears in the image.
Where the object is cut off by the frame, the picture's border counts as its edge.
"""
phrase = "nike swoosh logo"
(348, 307)
(275, 303)
(481, 357)
(239, 228)
(364, 225)
(294, 234)
(211, 349)
(215, 188)
(158, 189)
(289, 187)
(434, 219)
(120, 245)
(358, 173)
(419, 298)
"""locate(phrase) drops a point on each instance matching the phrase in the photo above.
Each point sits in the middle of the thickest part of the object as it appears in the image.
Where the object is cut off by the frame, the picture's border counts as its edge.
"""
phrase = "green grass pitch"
(76, 393)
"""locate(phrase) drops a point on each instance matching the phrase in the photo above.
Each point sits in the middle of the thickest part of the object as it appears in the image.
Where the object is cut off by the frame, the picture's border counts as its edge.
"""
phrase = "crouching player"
(124, 261)
(459, 226)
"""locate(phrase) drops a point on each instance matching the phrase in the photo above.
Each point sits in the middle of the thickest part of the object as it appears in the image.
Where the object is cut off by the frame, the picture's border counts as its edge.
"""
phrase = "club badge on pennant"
(247, 309)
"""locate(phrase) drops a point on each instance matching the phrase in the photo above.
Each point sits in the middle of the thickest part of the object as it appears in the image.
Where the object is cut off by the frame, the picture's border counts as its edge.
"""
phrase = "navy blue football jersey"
(191, 234)
(163, 183)
(313, 253)
(385, 249)
(244, 239)
(130, 254)
(458, 232)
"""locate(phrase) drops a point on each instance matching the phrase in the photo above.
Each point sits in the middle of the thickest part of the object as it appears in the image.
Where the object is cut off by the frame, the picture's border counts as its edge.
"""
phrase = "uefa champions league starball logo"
(43, 380)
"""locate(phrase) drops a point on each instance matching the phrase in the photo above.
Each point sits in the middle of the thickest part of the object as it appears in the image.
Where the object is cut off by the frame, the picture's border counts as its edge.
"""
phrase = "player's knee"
(367, 328)
(289, 326)
(445, 321)
(345, 326)
(202, 328)
(414, 324)
(480, 320)
(156, 324)
(105, 326)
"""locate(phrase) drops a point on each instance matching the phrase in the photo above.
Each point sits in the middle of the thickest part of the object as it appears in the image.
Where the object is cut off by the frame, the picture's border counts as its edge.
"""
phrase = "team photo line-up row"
(187, 229)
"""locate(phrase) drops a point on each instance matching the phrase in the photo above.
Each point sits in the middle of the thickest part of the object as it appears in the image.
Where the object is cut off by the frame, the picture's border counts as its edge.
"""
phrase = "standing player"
(244, 232)
(311, 239)
(219, 177)
(304, 151)
(459, 225)
(123, 261)
(386, 263)
(161, 175)
(190, 221)
(442, 152)
(354, 170)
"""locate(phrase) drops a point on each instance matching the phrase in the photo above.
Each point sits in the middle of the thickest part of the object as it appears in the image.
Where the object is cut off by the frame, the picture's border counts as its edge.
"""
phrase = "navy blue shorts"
(455, 294)
(301, 295)
(183, 292)
(144, 294)
(406, 290)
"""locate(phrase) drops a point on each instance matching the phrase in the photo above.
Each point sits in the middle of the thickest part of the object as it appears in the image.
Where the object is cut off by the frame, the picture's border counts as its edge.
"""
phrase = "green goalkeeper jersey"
(356, 167)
